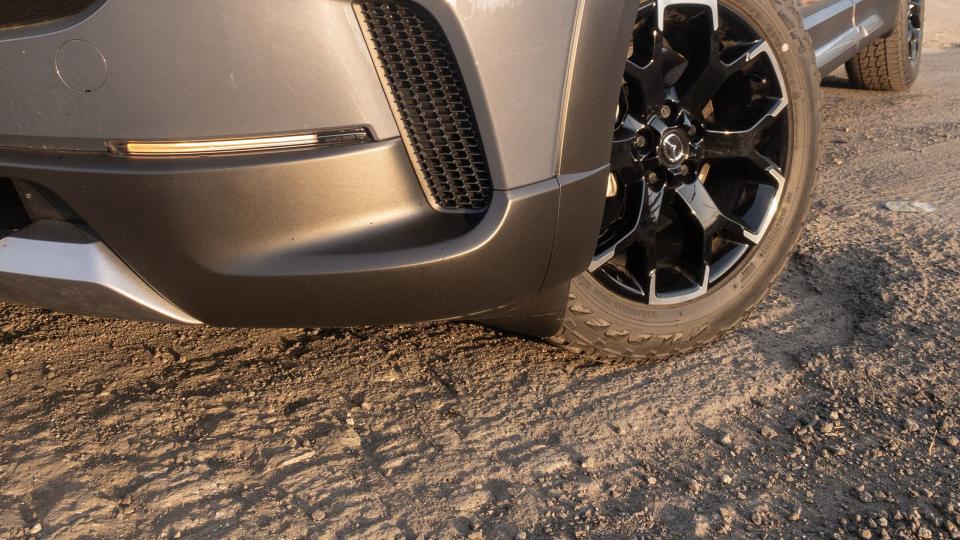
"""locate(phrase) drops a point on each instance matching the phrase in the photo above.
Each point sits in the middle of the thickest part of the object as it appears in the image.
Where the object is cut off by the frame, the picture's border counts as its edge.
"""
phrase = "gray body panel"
(183, 69)
(840, 28)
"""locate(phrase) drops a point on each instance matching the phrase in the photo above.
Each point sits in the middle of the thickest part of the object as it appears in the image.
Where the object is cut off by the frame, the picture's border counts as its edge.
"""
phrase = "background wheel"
(713, 166)
(893, 62)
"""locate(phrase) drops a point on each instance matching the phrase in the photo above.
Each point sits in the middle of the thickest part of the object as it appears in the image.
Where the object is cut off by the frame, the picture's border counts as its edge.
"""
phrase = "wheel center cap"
(674, 148)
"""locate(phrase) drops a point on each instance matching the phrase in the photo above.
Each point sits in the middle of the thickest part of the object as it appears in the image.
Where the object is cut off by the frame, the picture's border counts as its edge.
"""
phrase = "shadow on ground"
(370, 431)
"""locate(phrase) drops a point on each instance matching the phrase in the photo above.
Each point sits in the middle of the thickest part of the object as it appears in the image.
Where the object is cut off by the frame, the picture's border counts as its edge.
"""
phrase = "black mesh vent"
(431, 99)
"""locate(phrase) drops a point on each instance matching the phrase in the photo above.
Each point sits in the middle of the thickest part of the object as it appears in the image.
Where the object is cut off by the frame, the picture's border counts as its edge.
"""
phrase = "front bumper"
(60, 266)
(323, 237)
(320, 237)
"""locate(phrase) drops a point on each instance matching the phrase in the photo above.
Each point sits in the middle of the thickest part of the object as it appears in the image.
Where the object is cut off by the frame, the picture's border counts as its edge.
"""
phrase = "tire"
(606, 323)
(892, 63)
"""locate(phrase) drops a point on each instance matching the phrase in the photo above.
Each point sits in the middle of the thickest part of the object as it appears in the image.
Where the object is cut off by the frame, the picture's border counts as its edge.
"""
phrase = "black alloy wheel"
(714, 153)
(915, 29)
(698, 154)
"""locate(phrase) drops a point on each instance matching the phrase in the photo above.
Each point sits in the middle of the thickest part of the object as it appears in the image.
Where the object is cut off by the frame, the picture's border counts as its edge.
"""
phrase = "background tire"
(608, 324)
(892, 63)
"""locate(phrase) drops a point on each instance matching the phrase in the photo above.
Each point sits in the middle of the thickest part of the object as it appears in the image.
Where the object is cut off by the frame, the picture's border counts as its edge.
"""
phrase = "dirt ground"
(833, 410)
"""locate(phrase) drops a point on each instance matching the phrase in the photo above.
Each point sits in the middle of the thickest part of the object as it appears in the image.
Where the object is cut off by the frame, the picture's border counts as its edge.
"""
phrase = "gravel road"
(832, 410)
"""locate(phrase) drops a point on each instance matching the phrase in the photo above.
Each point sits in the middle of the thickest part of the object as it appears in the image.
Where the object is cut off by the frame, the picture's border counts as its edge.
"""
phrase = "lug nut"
(652, 177)
(665, 111)
(640, 141)
(692, 131)
(684, 170)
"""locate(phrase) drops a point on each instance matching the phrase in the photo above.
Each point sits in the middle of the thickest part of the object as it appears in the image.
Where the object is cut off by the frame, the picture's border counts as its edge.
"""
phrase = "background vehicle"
(625, 177)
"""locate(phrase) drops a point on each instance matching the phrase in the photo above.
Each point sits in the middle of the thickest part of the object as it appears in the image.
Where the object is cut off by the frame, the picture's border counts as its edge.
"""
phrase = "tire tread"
(884, 65)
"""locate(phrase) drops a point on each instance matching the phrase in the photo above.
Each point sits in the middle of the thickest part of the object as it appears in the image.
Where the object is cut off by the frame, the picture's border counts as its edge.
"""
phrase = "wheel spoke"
(647, 241)
(662, 6)
(701, 205)
(704, 210)
(618, 247)
(713, 222)
(653, 205)
(742, 144)
(774, 204)
(736, 232)
(656, 298)
(648, 79)
(620, 267)
(698, 93)
(623, 157)
(641, 230)
(694, 95)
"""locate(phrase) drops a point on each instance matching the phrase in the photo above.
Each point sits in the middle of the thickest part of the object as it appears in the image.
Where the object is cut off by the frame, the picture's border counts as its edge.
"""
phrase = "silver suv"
(624, 177)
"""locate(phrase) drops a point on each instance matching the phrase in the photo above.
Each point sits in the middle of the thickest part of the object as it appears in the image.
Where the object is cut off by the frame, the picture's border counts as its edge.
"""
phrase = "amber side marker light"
(227, 146)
